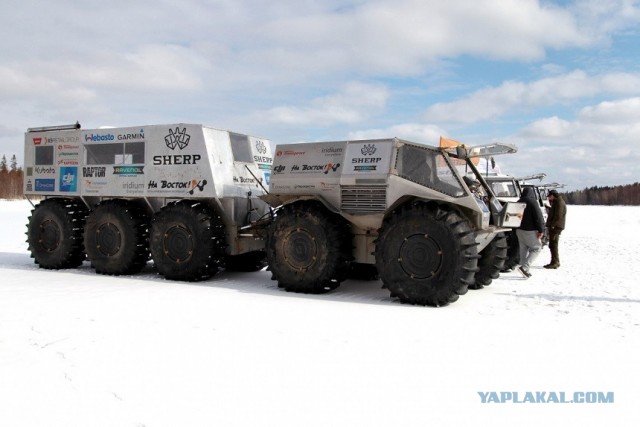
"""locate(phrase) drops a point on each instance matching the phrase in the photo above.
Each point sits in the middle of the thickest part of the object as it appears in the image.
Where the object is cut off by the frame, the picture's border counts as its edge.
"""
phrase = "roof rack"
(74, 126)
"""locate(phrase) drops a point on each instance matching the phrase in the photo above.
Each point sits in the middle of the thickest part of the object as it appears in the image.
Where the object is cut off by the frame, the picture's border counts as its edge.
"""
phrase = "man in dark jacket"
(555, 224)
(530, 232)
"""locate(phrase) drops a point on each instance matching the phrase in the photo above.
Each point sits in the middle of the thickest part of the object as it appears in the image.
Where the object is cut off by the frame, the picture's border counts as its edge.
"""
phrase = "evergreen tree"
(14, 163)
(3, 164)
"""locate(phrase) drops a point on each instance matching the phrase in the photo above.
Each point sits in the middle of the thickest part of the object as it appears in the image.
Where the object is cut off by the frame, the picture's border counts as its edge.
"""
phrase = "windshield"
(504, 188)
(429, 168)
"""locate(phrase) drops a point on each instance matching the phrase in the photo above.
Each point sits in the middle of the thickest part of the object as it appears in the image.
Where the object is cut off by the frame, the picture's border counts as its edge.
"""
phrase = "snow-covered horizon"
(81, 349)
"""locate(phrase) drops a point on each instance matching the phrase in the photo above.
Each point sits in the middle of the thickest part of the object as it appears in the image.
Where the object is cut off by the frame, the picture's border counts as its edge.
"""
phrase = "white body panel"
(169, 161)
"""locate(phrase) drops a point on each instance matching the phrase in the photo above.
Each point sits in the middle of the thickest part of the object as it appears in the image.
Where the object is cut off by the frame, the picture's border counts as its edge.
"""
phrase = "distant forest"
(10, 179)
(11, 188)
(618, 195)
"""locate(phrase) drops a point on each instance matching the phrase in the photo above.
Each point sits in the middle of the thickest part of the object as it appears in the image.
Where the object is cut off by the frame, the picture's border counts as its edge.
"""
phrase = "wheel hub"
(49, 235)
(300, 249)
(108, 239)
(420, 256)
(178, 244)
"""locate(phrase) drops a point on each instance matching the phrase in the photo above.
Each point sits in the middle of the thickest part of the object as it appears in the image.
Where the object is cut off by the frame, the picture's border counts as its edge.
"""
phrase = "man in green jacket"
(555, 224)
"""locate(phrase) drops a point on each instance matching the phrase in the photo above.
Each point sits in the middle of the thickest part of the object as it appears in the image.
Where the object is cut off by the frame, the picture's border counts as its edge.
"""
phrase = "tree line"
(11, 188)
(10, 179)
(618, 195)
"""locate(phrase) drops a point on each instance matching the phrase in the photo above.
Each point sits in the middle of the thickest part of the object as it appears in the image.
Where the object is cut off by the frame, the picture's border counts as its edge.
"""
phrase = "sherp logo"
(178, 138)
(368, 150)
(262, 149)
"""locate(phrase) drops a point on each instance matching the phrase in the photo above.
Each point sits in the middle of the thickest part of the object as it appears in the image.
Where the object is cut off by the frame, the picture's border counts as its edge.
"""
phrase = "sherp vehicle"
(407, 208)
(178, 193)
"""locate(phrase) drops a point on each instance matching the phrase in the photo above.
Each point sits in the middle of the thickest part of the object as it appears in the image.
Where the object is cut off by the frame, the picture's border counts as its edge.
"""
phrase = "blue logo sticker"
(46, 185)
(69, 179)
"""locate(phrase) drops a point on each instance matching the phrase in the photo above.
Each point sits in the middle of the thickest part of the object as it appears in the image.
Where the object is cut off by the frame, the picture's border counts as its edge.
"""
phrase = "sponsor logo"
(366, 159)
(290, 153)
(133, 187)
(177, 159)
(69, 179)
(261, 159)
(29, 185)
(40, 170)
(267, 178)
(45, 185)
(326, 186)
(190, 186)
(303, 186)
(131, 136)
(332, 150)
(330, 167)
(95, 137)
(68, 162)
(262, 149)
(279, 169)
(37, 141)
(128, 170)
(197, 185)
(314, 168)
(94, 172)
(68, 147)
(243, 180)
(62, 140)
(264, 167)
(280, 187)
(178, 138)
(364, 168)
(368, 150)
(93, 185)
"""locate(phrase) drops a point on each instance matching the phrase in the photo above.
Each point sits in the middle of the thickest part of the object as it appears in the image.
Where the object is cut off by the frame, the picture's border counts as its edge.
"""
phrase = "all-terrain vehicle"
(178, 193)
(406, 208)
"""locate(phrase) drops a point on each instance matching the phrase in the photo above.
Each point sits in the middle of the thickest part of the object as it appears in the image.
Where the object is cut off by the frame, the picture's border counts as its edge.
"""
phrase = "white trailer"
(181, 192)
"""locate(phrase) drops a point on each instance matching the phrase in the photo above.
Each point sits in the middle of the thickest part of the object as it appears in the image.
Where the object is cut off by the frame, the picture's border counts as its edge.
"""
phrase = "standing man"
(530, 232)
(555, 224)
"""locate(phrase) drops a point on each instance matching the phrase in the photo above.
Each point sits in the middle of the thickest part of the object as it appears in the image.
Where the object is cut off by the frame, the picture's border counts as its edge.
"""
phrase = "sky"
(559, 79)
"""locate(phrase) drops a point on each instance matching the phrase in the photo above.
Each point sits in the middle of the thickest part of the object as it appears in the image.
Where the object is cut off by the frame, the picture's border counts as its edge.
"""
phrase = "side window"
(115, 154)
(44, 155)
(136, 151)
(428, 167)
(413, 165)
(240, 147)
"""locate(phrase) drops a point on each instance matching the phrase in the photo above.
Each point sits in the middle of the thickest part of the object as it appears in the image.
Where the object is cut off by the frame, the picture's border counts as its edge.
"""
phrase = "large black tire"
(426, 255)
(247, 262)
(308, 248)
(513, 251)
(54, 233)
(187, 241)
(492, 259)
(116, 238)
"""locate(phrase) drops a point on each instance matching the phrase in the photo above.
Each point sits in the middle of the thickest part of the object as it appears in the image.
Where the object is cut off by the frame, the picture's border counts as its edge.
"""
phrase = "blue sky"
(560, 79)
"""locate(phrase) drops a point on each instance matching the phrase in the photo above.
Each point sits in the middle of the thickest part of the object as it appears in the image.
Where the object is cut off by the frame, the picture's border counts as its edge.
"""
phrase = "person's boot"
(552, 265)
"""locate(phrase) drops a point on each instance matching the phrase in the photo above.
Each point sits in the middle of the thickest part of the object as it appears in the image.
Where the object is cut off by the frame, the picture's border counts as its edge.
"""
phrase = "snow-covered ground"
(80, 349)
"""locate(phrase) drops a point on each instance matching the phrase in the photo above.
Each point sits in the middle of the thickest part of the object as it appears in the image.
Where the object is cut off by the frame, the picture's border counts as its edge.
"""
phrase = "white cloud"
(490, 103)
(415, 132)
(601, 146)
(353, 104)
(594, 125)
(602, 18)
